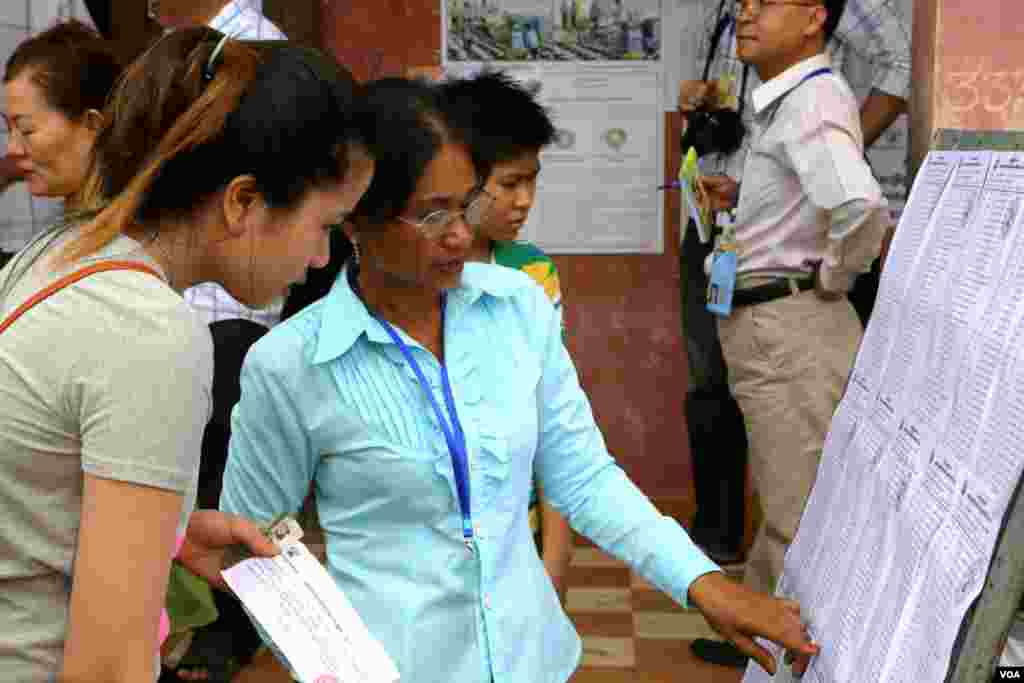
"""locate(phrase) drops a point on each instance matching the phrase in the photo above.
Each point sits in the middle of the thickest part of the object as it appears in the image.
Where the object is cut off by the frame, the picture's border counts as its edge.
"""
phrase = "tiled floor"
(631, 632)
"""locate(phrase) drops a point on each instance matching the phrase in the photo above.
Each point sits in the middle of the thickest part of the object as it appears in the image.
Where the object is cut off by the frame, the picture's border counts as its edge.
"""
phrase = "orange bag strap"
(71, 279)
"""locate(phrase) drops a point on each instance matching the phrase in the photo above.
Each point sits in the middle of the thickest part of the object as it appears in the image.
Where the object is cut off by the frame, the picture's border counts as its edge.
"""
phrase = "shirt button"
(487, 600)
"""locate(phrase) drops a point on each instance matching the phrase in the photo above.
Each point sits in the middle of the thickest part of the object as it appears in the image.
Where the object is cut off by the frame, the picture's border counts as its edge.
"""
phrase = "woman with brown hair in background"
(55, 85)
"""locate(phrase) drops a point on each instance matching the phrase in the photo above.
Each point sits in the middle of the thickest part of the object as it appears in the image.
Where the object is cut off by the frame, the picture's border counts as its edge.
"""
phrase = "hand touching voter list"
(739, 614)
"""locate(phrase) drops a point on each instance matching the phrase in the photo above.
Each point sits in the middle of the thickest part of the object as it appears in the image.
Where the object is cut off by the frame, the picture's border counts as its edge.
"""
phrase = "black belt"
(770, 292)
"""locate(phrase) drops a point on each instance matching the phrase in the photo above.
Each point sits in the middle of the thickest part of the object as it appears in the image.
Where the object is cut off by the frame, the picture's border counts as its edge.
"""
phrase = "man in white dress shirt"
(811, 217)
(243, 20)
(871, 48)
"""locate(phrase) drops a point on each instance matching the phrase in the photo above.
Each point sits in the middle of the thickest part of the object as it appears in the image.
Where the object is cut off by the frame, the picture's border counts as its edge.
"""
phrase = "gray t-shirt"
(112, 377)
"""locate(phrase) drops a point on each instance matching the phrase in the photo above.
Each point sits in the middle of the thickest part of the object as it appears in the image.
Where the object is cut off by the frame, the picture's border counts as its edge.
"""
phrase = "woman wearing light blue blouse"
(417, 397)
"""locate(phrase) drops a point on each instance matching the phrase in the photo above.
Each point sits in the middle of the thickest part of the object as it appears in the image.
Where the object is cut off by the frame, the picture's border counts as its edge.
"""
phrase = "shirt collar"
(768, 93)
(345, 318)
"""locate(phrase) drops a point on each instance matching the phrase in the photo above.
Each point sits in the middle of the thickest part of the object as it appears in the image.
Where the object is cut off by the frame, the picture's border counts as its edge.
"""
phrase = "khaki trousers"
(788, 360)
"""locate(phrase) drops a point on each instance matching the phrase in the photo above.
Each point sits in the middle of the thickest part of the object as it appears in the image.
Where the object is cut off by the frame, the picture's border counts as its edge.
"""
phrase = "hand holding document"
(297, 603)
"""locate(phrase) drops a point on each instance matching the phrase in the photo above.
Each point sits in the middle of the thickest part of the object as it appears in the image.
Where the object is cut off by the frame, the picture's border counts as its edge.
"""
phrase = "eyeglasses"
(753, 7)
(436, 223)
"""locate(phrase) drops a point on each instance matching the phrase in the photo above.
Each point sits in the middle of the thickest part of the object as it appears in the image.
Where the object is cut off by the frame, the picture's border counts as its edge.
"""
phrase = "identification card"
(284, 530)
(722, 282)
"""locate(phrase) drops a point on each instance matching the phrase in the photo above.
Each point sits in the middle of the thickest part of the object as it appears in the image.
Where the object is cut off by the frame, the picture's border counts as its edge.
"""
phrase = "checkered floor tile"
(619, 615)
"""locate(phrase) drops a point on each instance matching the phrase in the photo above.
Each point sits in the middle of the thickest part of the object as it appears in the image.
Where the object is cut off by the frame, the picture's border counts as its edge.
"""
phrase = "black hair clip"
(211, 64)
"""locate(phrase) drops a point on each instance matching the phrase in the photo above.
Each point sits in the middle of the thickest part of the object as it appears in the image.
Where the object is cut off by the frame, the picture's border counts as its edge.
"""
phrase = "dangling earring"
(355, 248)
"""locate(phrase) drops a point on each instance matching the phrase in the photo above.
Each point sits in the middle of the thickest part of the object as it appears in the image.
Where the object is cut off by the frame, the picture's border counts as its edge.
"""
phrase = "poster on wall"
(596, 65)
(553, 30)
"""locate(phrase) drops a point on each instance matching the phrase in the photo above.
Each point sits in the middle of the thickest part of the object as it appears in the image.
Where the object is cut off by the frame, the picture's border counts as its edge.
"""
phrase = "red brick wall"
(968, 71)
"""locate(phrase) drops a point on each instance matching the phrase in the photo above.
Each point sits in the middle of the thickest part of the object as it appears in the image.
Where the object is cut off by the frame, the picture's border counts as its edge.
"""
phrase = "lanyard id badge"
(453, 434)
(722, 278)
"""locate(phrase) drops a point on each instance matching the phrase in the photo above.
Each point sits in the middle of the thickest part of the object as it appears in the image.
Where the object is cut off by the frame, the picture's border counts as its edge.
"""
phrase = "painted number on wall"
(976, 94)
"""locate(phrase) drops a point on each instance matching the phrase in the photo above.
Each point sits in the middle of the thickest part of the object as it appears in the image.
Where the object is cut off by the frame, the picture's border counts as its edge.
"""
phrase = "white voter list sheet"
(927, 446)
(309, 619)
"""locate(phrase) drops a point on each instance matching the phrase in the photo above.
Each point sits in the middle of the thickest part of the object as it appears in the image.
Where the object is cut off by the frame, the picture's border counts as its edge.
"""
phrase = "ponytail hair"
(185, 121)
(163, 90)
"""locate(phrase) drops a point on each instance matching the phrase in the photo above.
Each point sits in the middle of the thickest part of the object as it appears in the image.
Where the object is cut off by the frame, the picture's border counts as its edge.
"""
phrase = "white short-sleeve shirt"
(806, 159)
(110, 377)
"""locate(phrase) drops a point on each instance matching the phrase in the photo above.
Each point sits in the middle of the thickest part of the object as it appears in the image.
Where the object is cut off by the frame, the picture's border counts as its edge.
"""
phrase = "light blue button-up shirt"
(328, 399)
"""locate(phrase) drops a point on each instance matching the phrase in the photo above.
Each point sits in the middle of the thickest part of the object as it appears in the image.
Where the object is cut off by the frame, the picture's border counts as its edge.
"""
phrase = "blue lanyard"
(817, 72)
(454, 435)
(778, 103)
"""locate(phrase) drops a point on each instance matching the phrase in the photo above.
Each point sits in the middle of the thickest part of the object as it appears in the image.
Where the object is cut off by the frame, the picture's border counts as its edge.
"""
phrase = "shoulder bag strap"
(70, 279)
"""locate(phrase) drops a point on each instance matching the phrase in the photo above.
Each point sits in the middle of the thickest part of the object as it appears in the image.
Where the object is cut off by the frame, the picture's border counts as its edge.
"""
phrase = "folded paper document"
(298, 605)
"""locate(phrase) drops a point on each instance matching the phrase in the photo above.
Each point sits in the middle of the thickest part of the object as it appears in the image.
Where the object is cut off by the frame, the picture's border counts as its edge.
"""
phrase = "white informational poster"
(927, 445)
(596, 64)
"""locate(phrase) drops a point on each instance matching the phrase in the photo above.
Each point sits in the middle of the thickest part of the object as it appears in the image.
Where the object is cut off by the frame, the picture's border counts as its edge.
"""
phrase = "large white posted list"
(927, 445)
